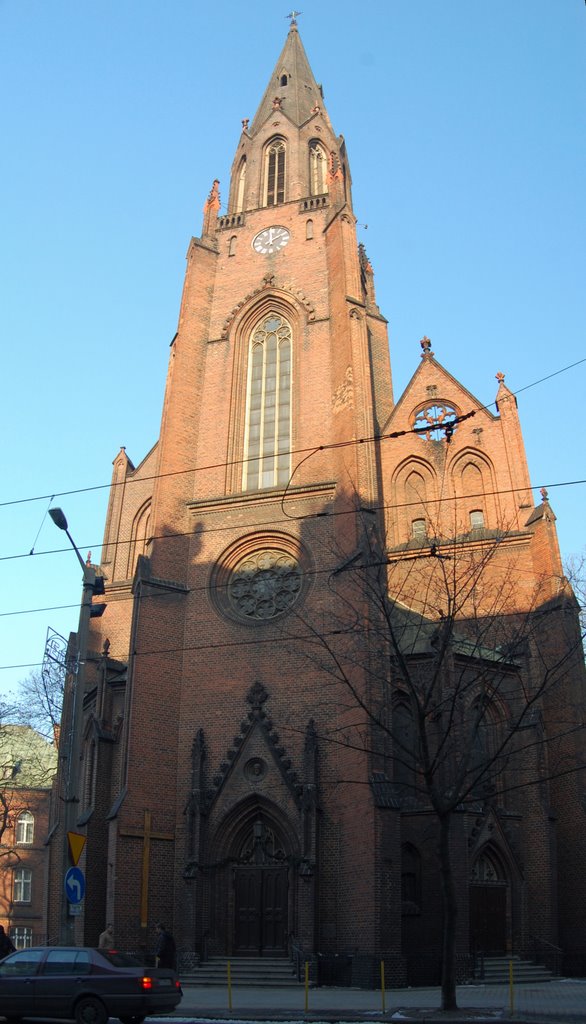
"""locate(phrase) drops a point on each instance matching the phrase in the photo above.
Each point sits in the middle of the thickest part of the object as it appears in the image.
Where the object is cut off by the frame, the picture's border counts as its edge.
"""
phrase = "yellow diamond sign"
(76, 844)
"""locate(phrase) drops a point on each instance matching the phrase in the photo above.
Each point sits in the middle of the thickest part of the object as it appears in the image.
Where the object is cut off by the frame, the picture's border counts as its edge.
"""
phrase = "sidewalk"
(551, 1002)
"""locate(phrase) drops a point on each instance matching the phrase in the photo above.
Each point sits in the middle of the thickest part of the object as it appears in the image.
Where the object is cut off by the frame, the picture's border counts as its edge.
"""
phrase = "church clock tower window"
(268, 405)
(317, 169)
(275, 173)
(240, 187)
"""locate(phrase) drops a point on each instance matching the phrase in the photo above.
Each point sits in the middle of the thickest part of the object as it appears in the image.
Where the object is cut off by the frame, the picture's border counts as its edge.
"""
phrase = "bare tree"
(38, 701)
(575, 570)
(462, 677)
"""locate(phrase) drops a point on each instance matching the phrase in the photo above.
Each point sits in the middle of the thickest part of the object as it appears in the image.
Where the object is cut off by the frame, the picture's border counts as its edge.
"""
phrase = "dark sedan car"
(83, 984)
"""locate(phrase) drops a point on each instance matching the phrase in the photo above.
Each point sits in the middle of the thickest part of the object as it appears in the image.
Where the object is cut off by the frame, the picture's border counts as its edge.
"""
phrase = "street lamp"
(92, 585)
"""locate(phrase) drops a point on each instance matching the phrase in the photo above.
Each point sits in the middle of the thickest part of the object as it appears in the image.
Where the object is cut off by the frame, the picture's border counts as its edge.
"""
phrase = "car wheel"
(131, 1020)
(90, 1010)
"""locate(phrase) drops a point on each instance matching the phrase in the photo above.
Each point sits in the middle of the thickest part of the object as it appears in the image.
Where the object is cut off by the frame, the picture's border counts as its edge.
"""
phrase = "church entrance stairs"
(494, 970)
(266, 972)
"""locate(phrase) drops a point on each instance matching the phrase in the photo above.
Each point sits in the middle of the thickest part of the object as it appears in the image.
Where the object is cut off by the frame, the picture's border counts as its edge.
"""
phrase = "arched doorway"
(488, 905)
(252, 909)
(261, 890)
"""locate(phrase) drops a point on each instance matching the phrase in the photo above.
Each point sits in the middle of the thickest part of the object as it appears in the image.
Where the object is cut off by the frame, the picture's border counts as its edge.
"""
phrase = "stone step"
(245, 971)
(496, 971)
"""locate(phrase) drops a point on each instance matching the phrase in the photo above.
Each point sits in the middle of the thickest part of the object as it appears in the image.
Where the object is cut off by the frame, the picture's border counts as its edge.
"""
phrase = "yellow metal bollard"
(306, 986)
(511, 989)
(229, 970)
(382, 985)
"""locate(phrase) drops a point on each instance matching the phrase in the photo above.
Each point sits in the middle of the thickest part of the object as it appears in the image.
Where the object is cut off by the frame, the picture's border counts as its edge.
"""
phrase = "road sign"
(76, 843)
(75, 885)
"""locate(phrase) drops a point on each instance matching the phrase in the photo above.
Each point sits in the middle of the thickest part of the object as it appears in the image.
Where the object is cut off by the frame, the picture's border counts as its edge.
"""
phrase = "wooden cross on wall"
(146, 834)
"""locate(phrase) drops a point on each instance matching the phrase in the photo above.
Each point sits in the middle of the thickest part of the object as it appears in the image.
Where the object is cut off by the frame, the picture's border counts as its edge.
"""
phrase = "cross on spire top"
(293, 16)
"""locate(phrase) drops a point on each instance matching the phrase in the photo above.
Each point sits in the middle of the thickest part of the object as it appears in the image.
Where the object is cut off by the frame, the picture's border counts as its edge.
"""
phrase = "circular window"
(264, 584)
(431, 420)
(255, 583)
(255, 769)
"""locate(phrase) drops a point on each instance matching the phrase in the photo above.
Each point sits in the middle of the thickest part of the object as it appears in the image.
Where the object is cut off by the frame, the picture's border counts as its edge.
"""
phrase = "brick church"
(291, 573)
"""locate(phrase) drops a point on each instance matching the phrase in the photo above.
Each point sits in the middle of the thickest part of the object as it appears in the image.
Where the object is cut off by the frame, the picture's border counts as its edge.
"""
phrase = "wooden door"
(488, 918)
(261, 911)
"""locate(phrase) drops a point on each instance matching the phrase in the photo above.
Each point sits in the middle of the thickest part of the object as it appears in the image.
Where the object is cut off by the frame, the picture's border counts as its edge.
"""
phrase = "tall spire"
(292, 87)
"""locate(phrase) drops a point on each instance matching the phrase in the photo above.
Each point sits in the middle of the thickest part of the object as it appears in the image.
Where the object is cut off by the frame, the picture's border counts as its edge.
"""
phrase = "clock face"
(270, 240)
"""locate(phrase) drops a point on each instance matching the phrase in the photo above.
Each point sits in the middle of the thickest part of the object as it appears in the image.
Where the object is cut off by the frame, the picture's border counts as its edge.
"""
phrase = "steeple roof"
(301, 93)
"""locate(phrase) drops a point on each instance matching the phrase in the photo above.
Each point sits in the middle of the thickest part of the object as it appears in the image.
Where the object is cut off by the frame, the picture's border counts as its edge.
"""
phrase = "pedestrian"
(106, 940)
(166, 953)
(6, 944)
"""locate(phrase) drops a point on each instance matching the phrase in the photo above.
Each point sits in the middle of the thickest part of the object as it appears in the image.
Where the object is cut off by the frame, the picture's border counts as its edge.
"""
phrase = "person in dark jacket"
(165, 952)
(6, 945)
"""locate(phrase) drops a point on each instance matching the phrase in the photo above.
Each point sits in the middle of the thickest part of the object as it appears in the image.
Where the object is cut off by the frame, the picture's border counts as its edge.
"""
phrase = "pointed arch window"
(275, 173)
(139, 537)
(241, 182)
(318, 166)
(268, 405)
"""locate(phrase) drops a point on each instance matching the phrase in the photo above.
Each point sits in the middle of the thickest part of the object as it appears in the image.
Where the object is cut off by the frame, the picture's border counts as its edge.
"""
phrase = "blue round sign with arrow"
(75, 885)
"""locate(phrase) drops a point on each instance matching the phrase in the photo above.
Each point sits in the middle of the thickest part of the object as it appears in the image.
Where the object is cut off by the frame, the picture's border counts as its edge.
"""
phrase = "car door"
(18, 974)
(62, 977)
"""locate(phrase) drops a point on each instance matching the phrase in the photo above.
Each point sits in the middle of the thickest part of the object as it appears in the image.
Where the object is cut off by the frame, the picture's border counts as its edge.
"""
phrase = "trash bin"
(334, 969)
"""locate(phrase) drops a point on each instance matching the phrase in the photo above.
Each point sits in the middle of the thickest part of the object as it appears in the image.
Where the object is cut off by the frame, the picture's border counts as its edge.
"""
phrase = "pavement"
(553, 1002)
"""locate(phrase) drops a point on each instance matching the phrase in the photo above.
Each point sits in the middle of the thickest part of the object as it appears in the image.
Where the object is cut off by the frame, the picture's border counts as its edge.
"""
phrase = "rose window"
(264, 584)
(431, 421)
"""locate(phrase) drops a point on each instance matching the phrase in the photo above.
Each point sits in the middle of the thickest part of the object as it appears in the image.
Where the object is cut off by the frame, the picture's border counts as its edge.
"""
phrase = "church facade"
(278, 571)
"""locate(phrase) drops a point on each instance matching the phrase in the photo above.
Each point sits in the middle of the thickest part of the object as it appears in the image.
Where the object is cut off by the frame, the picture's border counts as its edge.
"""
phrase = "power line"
(315, 515)
(292, 452)
(423, 551)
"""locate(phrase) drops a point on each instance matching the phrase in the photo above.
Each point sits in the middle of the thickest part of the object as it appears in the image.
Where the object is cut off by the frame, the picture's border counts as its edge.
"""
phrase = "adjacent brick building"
(250, 772)
(27, 768)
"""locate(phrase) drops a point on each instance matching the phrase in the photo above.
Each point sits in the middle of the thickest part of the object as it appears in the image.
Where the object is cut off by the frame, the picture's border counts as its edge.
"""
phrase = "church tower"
(222, 542)
(237, 784)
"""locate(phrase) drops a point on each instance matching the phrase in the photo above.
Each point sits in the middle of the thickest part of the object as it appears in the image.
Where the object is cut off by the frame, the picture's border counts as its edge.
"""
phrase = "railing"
(205, 948)
(478, 964)
(35, 939)
(231, 220)
(546, 953)
(297, 957)
(315, 203)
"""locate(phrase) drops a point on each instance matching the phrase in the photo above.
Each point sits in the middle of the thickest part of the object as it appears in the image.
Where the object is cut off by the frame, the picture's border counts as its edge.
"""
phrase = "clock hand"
(270, 236)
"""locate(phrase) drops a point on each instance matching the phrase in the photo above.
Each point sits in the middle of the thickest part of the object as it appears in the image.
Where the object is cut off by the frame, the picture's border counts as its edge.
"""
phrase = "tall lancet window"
(318, 166)
(268, 405)
(275, 173)
(240, 187)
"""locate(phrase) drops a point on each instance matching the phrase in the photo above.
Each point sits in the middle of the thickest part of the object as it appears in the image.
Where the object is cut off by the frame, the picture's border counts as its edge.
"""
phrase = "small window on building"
(22, 885)
(309, 229)
(418, 529)
(477, 519)
(22, 938)
(284, 79)
(232, 246)
(25, 829)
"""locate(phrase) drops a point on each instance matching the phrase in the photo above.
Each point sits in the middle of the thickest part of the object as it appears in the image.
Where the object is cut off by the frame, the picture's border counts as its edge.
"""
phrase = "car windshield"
(118, 959)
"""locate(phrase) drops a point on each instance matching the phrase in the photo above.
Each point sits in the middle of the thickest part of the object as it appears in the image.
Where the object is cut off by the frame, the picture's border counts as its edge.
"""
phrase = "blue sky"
(464, 123)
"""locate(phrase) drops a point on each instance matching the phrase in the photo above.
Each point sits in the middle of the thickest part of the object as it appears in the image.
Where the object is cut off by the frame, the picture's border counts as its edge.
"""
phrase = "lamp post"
(92, 585)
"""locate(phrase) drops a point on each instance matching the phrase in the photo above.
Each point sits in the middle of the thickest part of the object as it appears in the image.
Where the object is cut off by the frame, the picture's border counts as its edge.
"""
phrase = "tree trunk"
(450, 909)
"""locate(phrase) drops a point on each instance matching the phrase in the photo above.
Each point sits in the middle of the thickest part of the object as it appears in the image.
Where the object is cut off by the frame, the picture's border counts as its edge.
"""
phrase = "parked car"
(83, 984)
